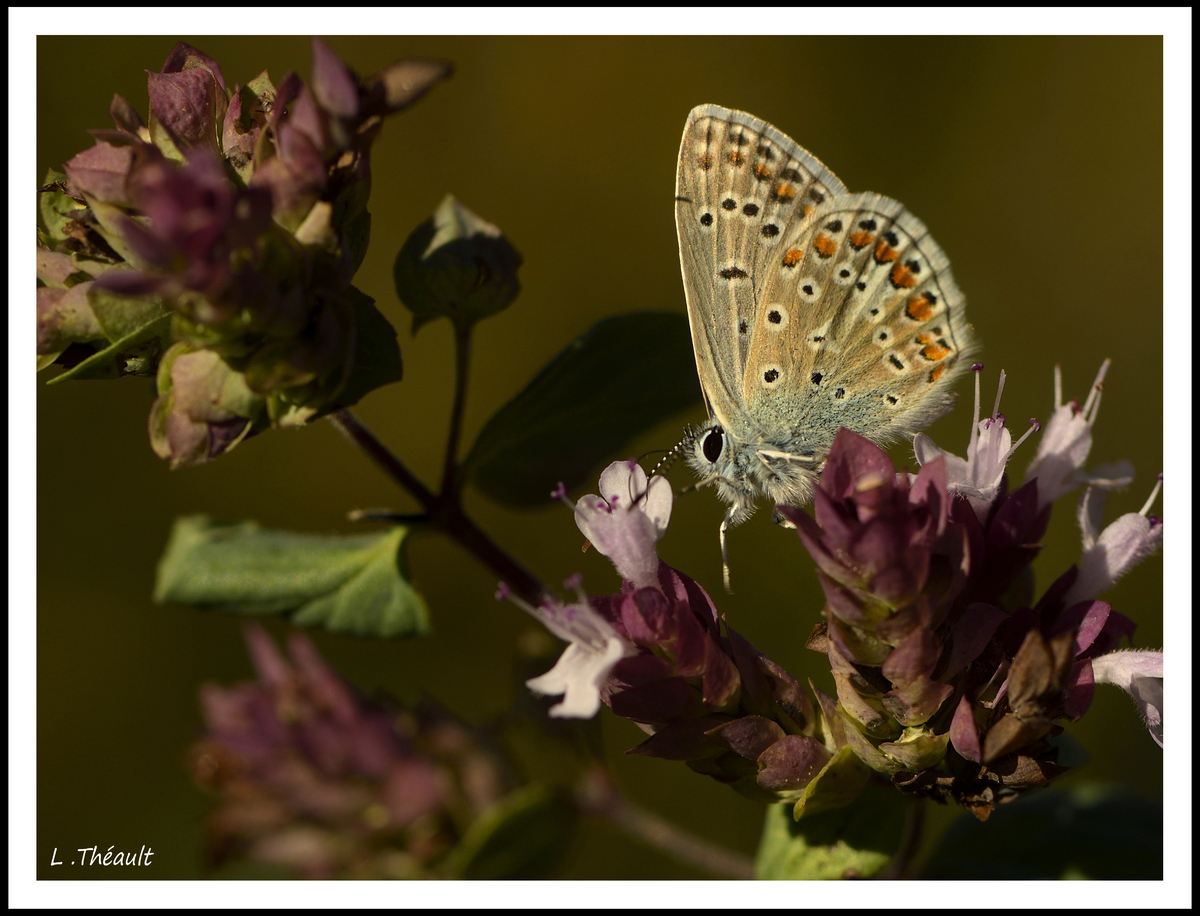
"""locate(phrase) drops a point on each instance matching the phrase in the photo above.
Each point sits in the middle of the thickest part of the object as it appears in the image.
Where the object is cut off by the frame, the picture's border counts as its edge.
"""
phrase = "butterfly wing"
(742, 187)
(859, 324)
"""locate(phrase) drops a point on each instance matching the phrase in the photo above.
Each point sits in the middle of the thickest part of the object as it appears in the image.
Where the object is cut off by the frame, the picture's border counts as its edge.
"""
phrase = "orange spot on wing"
(934, 352)
(783, 192)
(825, 245)
(808, 208)
(918, 309)
(902, 277)
(861, 239)
(885, 252)
(736, 157)
(936, 373)
(761, 171)
(924, 338)
(792, 258)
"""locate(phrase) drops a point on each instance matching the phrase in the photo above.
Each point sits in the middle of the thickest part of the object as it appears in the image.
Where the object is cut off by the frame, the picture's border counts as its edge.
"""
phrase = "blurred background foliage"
(1036, 163)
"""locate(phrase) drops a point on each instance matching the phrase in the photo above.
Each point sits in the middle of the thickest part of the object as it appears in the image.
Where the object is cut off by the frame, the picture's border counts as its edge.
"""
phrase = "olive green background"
(1036, 163)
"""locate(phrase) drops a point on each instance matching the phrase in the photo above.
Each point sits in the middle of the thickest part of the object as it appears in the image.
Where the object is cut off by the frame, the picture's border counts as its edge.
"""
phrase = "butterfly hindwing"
(860, 324)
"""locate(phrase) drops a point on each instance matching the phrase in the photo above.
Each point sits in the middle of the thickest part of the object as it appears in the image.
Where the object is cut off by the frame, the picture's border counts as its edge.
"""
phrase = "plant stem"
(910, 842)
(351, 427)
(443, 511)
(599, 796)
(462, 361)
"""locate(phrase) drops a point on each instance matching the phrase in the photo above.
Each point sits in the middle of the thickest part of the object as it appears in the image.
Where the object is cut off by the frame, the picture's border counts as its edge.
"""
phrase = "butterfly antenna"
(668, 460)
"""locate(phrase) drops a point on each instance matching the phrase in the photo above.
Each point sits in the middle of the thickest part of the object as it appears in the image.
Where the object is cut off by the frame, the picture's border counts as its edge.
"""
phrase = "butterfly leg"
(706, 482)
(790, 457)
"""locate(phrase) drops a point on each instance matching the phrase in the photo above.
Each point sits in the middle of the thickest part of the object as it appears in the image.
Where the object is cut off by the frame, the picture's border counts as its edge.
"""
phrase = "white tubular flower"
(594, 646)
(1117, 549)
(583, 668)
(1064, 447)
(988, 450)
(1140, 674)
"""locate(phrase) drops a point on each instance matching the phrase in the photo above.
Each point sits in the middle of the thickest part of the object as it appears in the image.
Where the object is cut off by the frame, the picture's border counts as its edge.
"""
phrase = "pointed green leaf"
(523, 836)
(376, 353)
(840, 781)
(619, 378)
(851, 842)
(358, 584)
(1085, 831)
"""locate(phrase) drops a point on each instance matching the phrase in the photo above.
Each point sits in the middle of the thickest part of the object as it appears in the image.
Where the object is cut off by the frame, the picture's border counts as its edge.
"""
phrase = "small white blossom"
(582, 669)
(1064, 447)
(1140, 674)
(988, 450)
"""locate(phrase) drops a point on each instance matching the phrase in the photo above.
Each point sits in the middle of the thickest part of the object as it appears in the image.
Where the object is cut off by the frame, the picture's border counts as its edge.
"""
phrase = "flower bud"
(456, 265)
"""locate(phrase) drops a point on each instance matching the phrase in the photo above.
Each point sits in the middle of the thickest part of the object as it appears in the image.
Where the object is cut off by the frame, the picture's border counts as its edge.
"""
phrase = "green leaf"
(358, 238)
(522, 836)
(837, 785)
(358, 584)
(137, 353)
(619, 378)
(376, 355)
(56, 208)
(1087, 831)
(855, 841)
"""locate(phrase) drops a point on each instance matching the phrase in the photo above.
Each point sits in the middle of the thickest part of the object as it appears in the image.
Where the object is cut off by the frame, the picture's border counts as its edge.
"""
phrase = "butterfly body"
(811, 308)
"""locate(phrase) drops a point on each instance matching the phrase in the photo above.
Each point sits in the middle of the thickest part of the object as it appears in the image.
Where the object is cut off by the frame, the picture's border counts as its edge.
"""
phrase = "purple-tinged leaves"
(189, 105)
(964, 735)
(401, 84)
(184, 57)
(791, 763)
(333, 83)
(748, 736)
(969, 634)
(64, 316)
(101, 172)
(660, 703)
(126, 117)
(687, 740)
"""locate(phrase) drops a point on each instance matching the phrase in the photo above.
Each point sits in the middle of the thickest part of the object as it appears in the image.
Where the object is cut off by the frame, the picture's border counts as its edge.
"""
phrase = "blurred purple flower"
(312, 777)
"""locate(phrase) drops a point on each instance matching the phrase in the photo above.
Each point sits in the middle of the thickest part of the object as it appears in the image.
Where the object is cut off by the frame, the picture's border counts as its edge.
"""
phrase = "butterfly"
(811, 309)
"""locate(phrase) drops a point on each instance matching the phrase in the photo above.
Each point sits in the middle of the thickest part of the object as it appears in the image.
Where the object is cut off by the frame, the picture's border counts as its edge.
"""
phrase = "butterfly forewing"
(742, 189)
(860, 325)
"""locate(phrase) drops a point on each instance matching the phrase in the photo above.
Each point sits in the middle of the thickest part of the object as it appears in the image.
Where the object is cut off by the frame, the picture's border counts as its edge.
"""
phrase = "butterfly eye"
(712, 445)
